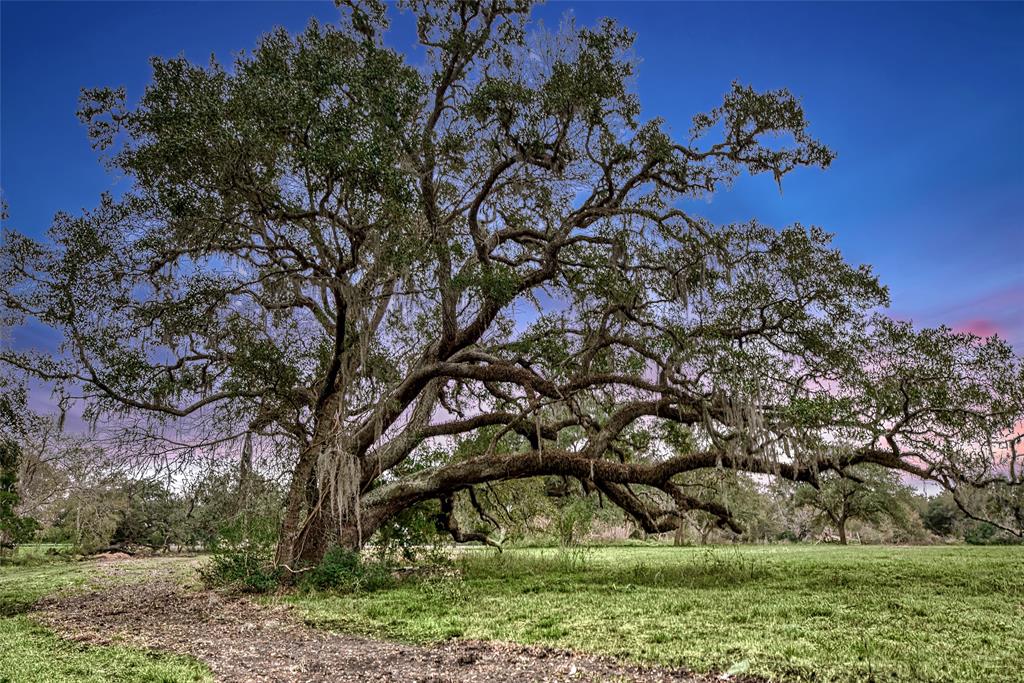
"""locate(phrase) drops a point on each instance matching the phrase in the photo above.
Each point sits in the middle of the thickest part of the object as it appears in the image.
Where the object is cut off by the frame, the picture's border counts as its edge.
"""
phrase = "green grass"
(32, 653)
(791, 612)
(38, 550)
(788, 612)
(23, 584)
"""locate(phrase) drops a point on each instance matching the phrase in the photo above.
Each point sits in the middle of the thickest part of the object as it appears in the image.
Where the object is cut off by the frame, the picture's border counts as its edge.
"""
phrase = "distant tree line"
(57, 488)
(64, 489)
(871, 505)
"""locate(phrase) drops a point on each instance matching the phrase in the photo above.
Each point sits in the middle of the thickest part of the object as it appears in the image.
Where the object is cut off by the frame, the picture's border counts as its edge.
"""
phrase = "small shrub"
(574, 522)
(574, 558)
(338, 567)
(240, 568)
(984, 533)
(981, 533)
(243, 558)
(343, 570)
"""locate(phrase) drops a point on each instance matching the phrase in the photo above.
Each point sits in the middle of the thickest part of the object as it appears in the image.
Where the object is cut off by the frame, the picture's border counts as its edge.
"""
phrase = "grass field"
(32, 654)
(820, 613)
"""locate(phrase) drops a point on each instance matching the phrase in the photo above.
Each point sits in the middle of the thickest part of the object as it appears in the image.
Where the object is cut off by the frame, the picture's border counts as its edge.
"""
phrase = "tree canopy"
(418, 278)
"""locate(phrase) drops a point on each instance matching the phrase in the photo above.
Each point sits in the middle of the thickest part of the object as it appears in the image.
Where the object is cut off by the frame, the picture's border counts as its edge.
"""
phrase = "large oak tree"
(417, 279)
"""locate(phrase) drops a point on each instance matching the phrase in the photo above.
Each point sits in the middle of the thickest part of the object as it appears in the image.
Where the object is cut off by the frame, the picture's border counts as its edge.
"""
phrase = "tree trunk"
(244, 475)
(842, 531)
(313, 521)
(315, 538)
(288, 548)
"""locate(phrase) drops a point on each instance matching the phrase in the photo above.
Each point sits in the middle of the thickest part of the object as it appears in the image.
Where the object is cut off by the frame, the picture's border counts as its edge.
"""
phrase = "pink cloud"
(997, 311)
(979, 326)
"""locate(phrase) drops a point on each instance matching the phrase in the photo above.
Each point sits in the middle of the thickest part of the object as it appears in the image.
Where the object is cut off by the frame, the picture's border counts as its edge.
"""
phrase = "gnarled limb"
(447, 522)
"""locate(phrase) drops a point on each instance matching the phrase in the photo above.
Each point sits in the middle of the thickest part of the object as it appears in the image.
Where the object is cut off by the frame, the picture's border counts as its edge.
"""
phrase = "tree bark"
(293, 521)
(312, 524)
(244, 475)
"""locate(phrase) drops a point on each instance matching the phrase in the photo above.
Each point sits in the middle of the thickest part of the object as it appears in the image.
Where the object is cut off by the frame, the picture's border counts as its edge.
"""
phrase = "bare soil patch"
(111, 557)
(241, 640)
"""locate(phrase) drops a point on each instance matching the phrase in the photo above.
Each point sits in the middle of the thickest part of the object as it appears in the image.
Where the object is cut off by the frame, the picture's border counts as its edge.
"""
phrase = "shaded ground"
(244, 641)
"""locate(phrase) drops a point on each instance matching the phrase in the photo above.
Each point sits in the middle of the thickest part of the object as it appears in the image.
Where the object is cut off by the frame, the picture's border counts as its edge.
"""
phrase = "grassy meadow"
(823, 613)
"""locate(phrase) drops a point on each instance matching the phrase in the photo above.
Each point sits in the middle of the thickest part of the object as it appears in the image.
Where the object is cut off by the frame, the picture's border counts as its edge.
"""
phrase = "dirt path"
(244, 641)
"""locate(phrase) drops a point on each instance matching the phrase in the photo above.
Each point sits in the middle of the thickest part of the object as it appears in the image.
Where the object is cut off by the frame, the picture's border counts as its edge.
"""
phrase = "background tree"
(412, 282)
(862, 493)
(941, 515)
(153, 517)
(49, 457)
(14, 528)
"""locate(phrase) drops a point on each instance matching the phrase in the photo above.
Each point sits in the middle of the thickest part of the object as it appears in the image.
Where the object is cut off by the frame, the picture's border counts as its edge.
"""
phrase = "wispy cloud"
(997, 311)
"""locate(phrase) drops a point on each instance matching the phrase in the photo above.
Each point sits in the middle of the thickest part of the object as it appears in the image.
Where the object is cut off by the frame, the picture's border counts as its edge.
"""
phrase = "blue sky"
(924, 104)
